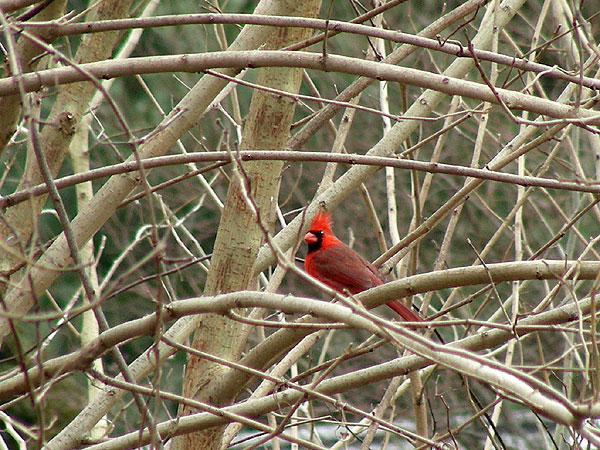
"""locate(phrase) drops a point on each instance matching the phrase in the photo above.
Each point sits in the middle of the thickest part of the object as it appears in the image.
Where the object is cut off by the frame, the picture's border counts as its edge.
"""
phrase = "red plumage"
(335, 264)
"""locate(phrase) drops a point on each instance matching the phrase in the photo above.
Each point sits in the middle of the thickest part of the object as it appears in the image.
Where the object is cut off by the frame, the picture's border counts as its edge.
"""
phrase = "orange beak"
(310, 238)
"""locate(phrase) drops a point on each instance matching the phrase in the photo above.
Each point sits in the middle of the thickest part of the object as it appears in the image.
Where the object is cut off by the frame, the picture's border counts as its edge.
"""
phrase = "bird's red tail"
(404, 312)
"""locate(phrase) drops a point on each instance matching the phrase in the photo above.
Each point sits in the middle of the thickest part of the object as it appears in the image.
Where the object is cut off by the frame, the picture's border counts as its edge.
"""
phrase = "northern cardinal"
(335, 264)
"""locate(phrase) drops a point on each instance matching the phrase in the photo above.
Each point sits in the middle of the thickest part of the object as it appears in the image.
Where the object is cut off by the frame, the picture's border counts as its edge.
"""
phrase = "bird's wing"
(342, 268)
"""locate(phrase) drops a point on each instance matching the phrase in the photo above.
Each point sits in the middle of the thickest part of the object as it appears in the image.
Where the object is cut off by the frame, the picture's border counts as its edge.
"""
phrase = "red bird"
(335, 264)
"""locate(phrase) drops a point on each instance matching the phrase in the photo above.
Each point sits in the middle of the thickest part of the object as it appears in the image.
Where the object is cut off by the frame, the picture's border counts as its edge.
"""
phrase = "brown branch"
(448, 47)
(334, 63)
(221, 304)
(260, 155)
(12, 5)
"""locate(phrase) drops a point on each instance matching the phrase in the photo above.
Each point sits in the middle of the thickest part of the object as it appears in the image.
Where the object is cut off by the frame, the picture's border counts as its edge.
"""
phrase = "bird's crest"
(321, 221)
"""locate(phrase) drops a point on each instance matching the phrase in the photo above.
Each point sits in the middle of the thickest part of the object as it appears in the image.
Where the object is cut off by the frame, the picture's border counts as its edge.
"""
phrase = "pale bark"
(248, 212)
(105, 202)
(27, 54)
(21, 298)
(72, 102)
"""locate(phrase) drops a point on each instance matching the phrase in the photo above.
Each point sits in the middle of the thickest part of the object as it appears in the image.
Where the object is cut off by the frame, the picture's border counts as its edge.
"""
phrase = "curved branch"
(274, 58)
(262, 155)
(553, 404)
(260, 357)
(449, 47)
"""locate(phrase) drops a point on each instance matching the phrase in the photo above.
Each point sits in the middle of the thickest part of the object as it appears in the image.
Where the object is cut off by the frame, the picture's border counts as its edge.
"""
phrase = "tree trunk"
(248, 211)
